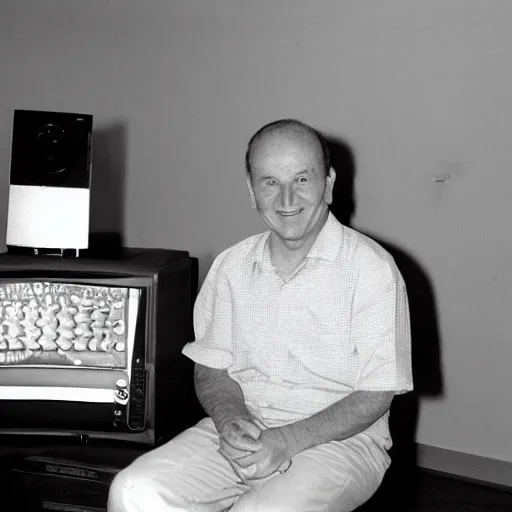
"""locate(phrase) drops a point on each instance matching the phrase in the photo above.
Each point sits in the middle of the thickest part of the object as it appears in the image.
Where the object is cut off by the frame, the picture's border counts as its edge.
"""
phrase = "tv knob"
(121, 384)
(121, 396)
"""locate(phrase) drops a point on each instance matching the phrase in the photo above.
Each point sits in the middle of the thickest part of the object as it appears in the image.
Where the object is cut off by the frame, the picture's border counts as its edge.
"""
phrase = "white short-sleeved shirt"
(339, 324)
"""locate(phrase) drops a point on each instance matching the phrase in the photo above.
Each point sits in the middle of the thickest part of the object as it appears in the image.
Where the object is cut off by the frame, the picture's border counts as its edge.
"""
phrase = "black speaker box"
(50, 179)
(72, 479)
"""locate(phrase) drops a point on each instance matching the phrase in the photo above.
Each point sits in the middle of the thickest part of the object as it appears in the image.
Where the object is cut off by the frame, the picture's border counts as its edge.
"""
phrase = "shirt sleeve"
(212, 323)
(381, 327)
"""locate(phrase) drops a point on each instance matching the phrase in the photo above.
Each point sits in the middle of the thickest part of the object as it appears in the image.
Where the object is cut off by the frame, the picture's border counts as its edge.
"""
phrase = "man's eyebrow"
(270, 177)
(307, 171)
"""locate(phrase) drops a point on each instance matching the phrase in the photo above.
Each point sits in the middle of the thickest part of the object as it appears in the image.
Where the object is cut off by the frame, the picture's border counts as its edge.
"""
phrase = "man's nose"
(287, 196)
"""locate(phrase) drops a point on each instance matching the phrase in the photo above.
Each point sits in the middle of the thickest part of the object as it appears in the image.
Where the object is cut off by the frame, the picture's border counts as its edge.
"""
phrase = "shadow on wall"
(108, 189)
(424, 331)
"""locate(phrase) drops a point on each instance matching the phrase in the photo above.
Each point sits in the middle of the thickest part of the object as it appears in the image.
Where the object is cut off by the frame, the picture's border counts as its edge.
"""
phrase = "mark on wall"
(442, 178)
(446, 172)
(440, 183)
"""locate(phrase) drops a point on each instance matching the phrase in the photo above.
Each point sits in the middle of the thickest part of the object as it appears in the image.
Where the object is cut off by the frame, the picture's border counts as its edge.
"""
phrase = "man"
(302, 340)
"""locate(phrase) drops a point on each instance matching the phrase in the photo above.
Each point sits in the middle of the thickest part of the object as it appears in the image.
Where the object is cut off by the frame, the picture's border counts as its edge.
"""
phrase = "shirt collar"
(326, 247)
(328, 242)
(261, 253)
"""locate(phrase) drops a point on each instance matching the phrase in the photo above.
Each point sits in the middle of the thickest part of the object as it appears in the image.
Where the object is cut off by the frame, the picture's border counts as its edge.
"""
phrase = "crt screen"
(60, 324)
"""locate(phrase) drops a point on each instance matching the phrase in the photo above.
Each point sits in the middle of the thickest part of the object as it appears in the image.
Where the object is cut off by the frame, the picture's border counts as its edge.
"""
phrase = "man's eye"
(271, 182)
(303, 180)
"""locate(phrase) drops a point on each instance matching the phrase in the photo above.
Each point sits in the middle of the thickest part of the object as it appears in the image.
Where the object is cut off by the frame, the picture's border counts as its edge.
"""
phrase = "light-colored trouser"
(188, 474)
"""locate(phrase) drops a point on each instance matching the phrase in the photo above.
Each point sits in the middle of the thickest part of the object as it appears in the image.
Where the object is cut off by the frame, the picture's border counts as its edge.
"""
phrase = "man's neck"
(287, 255)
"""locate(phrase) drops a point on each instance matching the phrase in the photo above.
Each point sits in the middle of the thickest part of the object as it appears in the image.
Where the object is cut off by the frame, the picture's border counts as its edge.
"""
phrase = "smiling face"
(289, 186)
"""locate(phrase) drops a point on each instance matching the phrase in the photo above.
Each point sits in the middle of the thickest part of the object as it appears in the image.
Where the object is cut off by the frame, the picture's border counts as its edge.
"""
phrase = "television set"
(91, 347)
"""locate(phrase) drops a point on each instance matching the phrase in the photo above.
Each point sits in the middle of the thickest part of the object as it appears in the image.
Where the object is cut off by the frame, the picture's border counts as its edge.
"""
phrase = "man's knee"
(133, 489)
(261, 502)
(124, 489)
(262, 507)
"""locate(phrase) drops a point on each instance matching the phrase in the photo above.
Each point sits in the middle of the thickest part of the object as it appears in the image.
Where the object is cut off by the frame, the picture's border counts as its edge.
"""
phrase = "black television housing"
(152, 397)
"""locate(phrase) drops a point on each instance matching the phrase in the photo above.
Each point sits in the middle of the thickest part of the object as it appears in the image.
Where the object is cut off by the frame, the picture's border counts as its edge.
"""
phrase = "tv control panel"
(129, 400)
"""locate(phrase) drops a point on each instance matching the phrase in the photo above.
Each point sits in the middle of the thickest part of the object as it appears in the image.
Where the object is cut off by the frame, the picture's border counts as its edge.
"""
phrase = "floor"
(401, 491)
(427, 491)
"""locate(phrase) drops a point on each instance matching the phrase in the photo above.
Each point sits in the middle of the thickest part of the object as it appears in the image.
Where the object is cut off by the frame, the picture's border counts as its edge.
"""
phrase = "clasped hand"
(251, 451)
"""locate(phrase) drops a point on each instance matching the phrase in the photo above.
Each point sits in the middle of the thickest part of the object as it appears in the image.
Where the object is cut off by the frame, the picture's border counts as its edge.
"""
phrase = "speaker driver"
(52, 151)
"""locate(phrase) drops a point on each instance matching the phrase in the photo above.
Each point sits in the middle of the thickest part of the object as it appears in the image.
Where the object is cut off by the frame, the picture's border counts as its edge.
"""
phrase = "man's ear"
(251, 190)
(329, 185)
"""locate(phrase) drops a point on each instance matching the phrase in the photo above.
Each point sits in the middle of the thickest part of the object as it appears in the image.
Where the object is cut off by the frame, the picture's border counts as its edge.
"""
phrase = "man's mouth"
(291, 213)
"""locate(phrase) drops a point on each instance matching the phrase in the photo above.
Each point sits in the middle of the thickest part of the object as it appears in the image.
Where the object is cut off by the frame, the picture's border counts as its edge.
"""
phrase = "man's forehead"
(289, 139)
(292, 160)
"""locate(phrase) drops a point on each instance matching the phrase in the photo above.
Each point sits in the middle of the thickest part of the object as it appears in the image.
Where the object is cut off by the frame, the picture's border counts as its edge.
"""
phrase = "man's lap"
(188, 474)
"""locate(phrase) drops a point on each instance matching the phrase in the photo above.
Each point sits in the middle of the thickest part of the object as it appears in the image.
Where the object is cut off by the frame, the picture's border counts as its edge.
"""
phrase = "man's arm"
(221, 397)
(341, 420)
(223, 400)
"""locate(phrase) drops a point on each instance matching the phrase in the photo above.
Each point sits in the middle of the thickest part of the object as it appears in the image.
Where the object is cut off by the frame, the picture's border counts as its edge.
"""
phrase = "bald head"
(290, 129)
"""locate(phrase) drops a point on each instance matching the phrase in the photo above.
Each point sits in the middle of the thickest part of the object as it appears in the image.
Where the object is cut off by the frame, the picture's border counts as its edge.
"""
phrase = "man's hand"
(241, 434)
(238, 438)
(272, 456)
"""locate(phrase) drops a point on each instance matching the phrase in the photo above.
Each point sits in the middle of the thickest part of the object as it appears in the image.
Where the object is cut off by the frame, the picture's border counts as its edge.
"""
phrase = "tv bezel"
(146, 315)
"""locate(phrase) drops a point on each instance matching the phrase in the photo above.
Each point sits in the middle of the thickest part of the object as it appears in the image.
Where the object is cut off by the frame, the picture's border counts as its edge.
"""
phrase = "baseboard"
(465, 465)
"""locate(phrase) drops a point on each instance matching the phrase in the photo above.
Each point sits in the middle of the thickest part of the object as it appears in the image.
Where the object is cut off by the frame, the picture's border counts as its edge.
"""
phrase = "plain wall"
(420, 90)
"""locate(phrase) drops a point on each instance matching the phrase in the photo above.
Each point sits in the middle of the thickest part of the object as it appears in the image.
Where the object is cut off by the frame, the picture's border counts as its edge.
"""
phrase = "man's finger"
(249, 428)
(234, 467)
(248, 460)
(244, 443)
(249, 472)
(285, 466)
(231, 451)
